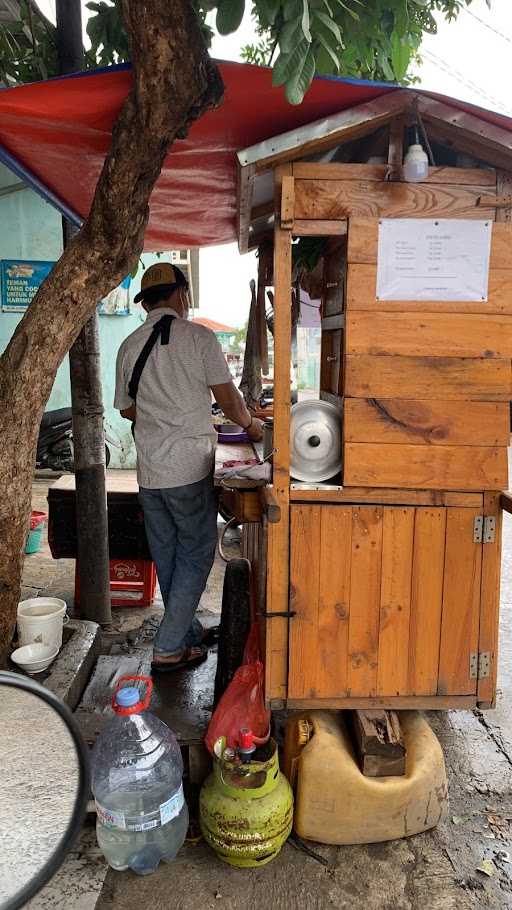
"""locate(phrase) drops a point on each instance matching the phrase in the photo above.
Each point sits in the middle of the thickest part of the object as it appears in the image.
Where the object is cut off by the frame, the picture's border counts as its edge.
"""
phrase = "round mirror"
(44, 787)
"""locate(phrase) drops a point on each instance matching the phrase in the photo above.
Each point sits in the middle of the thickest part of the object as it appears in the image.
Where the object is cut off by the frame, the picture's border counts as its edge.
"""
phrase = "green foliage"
(109, 43)
(238, 343)
(28, 51)
(374, 39)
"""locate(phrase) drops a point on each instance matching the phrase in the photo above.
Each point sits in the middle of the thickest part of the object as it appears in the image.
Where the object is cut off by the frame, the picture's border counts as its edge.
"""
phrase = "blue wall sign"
(21, 278)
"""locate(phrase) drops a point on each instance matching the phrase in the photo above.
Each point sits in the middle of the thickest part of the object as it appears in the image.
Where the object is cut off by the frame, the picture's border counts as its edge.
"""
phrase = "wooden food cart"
(383, 584)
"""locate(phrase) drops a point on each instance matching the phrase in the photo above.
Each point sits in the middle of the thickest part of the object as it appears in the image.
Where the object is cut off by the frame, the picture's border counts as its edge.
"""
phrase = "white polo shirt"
(174, 435)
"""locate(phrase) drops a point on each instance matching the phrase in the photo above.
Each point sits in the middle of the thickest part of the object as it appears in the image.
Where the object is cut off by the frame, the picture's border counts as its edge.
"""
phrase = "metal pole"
(86, 397)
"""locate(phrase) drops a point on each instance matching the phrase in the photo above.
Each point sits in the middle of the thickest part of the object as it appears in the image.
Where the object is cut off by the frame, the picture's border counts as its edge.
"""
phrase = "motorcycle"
(55, 444)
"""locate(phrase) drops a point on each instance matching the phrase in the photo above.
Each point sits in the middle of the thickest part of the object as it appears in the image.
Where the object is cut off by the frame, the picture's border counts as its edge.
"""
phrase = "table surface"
(126, 481)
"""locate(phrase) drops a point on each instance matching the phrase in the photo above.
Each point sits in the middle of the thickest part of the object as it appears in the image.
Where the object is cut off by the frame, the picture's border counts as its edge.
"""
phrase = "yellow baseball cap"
(161, 275)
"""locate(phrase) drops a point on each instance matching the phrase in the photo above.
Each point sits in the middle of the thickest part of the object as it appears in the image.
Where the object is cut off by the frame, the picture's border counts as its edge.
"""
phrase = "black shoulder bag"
(161, 329)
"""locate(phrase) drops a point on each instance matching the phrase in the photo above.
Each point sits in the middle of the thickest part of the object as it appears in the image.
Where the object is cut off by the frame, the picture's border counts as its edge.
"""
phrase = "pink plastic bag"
(242, 705)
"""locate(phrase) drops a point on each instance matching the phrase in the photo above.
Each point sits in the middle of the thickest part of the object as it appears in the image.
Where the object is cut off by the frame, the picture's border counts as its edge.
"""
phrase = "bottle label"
(167, 811)
(172, 807)
(109, 818)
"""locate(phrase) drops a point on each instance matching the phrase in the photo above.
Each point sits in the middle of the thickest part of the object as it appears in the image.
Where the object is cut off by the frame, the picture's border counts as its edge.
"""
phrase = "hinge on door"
(479, 665)
(484, 529)
(489, 529)
(484, 665)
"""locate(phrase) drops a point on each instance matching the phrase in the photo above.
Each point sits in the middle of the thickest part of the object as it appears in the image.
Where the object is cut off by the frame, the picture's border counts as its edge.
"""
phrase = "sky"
(468, 59)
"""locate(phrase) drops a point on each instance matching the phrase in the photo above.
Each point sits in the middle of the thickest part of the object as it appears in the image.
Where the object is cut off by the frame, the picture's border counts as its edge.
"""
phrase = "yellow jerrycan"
(246, 807)
(336, 804)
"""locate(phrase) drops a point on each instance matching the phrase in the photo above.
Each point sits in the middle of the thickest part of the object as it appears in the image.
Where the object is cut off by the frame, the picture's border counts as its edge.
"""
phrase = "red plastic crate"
(132, 583)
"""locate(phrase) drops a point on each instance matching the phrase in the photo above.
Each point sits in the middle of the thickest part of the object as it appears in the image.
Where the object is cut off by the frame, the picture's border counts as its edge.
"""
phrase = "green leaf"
(329, 24)
(348, 9)
(229, 16)
(290, 35)
(400, 56)
(292, 9)
(305, 21)
(287, 64)
(280, 70)
(267, 11)
(302, 77)
(328, 7)
(330, 50)
(385, 66)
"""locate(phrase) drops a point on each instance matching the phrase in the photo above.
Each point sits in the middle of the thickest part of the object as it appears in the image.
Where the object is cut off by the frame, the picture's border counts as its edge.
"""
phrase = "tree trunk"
(175, 82)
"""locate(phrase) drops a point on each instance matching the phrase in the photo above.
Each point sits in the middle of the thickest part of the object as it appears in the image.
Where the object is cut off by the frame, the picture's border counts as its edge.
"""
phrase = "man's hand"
(232, 404)
(128, 413)
(255, 430)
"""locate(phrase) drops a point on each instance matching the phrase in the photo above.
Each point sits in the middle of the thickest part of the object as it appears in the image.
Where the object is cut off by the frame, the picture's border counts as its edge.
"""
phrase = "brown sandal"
(187, 660)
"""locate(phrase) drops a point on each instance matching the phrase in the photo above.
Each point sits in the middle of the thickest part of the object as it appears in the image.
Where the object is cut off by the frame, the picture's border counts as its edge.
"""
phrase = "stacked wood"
(379, 743)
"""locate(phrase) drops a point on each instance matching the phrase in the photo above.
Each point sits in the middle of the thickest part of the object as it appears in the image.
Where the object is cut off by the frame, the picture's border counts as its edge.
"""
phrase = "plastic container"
(137, 773)
(336, 804)
(41, 620)
(35, 535)
(132, 583)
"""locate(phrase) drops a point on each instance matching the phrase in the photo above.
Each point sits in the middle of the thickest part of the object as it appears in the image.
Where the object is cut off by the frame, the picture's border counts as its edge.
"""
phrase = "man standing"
(165, 373)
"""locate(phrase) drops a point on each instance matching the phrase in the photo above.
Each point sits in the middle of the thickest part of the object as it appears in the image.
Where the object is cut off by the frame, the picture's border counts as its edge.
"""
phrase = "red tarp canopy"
(55, 135)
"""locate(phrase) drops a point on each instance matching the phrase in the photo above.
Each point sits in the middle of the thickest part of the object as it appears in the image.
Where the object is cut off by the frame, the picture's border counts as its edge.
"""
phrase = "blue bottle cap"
(128, 697)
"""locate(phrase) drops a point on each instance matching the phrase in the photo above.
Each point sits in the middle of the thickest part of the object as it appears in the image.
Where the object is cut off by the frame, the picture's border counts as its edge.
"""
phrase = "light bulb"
(415, 164)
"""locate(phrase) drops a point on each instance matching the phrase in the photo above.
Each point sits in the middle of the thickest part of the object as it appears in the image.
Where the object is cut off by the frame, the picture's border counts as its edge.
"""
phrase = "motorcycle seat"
(52, 418)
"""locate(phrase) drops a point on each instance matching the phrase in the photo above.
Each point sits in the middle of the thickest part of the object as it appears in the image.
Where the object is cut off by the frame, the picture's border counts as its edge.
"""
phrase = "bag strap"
(161, 328)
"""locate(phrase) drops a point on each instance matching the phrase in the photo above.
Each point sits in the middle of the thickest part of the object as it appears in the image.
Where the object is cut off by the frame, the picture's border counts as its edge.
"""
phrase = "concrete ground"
(465, 863)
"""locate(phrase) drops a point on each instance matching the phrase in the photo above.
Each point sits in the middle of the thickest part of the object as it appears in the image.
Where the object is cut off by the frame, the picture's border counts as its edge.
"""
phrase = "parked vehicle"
(55, 444)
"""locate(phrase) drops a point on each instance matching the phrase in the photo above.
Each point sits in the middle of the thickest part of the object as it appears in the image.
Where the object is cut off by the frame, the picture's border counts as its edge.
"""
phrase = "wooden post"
(86, 397)
(490, 606)
(396, 148)
(260, 315)
(278, 534)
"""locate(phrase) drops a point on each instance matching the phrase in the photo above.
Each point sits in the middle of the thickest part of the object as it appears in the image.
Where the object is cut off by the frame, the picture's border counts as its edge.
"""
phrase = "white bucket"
(40, 620)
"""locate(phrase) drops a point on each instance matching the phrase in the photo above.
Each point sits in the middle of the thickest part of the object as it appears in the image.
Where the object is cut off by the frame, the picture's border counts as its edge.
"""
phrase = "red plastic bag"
(242, 705)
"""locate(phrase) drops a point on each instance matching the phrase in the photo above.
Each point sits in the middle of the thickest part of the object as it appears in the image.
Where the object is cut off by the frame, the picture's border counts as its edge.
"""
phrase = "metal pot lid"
(315, 439)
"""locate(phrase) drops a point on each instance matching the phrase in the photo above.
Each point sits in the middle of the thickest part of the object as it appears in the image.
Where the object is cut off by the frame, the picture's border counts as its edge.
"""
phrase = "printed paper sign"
(424, 259)
(21, 279)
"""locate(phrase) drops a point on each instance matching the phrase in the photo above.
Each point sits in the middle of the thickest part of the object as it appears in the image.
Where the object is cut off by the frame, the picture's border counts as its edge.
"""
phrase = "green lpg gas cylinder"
(246, 808)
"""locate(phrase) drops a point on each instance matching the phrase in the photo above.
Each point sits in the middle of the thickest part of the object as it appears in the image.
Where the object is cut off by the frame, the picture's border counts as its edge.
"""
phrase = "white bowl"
(34, 658)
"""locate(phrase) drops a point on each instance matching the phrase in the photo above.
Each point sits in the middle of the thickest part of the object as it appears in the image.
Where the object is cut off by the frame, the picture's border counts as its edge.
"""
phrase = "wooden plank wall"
(278, 550)
(387, 601)
(427, 385)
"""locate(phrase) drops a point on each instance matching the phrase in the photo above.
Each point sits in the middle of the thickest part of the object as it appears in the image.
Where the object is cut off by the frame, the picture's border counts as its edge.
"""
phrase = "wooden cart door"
(386, 601)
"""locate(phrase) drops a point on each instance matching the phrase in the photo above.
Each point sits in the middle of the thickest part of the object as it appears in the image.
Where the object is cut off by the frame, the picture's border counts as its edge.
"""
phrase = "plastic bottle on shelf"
(137, 772)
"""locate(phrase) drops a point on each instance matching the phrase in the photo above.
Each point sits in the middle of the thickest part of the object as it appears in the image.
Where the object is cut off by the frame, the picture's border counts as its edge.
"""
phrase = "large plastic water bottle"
(137, 784)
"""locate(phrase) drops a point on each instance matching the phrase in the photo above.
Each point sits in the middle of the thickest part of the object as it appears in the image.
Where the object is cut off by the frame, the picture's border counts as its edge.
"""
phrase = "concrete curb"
(70, 672)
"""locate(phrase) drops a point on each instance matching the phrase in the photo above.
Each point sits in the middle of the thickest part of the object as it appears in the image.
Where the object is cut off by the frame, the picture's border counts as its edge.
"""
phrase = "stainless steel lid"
(315, 440)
